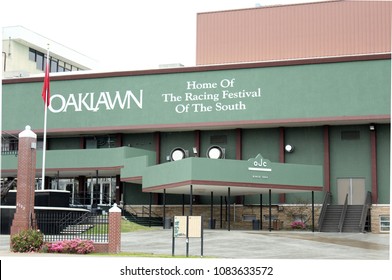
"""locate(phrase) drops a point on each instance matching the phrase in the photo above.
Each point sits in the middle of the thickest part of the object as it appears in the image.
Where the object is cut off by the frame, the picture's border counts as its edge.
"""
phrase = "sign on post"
(187, 227)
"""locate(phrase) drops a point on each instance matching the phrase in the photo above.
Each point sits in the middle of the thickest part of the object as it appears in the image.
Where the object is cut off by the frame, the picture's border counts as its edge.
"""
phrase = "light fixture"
(195, 150)
(178, 154)
(289, 148)
(371, 127)
(216, 152)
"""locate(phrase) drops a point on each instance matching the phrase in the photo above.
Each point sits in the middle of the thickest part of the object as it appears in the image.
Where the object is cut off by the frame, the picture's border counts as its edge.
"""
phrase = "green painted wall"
(139, 140)
(234, 171)
(172, 140)
(275, 94)
(272, 93)
(349, 158)
(308, 149)
(64, 143)
(383, 163)
(261, 141)
(133, 195)
(225, 139)
(265, 142)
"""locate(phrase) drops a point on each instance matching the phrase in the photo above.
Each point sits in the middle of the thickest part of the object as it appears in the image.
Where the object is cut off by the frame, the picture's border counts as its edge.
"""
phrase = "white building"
(24, 53)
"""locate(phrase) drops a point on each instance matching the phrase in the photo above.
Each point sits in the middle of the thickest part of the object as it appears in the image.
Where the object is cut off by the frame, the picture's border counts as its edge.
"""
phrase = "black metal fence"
(68, 225)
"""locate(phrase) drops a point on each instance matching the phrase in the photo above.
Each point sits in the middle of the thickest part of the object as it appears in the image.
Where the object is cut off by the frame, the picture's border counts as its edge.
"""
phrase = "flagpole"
(45, 120)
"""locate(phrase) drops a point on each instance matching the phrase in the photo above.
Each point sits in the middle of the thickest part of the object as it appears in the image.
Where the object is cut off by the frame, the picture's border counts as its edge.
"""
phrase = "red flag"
(45, 89)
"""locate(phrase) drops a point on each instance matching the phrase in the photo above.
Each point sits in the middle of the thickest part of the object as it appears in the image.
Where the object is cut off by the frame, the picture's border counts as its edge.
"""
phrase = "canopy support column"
(261, 211)
(228, 212)
(312, 211)
(270, 211)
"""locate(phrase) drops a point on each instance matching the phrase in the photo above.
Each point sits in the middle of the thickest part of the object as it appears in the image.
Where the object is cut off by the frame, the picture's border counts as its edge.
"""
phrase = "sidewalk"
(264, 244)
(237, 244)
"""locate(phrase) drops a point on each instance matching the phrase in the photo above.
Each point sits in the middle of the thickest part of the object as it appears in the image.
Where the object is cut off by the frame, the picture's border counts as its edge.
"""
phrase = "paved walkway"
(264, 244)
(238, 244)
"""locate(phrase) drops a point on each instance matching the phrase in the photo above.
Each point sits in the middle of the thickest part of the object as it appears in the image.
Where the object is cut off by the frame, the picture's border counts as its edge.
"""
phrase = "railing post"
(365, 209)
(327, 200)
(343, 215)
(114, 230)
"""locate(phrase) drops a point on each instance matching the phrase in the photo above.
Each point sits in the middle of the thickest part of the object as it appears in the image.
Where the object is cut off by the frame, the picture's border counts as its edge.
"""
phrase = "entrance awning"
(244, 177)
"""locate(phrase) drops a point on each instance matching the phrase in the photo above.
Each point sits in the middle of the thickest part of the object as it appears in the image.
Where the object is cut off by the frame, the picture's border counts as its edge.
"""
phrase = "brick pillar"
(114, 230)
(24, 217)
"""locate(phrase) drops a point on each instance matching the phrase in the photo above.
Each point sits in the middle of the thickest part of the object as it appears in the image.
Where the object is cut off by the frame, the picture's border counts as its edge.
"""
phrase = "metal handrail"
(327, 201)
(144, 208)
(5, 189)
(343, 214)
(70, 220)
(365, 209)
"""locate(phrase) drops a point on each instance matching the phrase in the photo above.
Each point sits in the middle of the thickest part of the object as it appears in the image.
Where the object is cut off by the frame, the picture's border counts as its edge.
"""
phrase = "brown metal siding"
(323, 29)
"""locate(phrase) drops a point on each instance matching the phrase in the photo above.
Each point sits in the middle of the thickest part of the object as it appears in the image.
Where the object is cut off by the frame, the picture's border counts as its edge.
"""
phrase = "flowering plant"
(29, 240)
(298, 225)
(74, 246)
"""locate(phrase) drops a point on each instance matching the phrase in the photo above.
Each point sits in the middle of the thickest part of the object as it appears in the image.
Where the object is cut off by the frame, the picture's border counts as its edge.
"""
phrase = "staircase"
(332, 218)
(352, 219)
(76, 229)
(5, 187)
(144, 221)
(345, 218)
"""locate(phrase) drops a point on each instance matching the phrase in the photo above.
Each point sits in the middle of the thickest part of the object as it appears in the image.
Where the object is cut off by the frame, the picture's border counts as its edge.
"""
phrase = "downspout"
(5, 61)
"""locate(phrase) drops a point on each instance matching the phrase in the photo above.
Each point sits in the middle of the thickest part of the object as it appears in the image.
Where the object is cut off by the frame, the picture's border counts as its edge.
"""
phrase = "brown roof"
(320, 29)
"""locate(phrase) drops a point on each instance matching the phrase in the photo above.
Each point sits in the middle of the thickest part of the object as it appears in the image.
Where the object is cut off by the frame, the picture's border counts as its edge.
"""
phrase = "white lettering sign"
(205, 97)
(94, 102)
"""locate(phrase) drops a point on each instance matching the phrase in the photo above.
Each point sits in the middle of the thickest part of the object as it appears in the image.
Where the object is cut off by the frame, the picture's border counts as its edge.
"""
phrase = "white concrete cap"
(115, 208)
(27, 133)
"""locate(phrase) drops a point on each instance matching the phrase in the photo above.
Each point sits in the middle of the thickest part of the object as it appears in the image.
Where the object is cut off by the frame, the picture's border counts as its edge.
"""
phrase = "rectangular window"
(67, 67)
(40, 61)
(300, 218)
(56, 65)
(9, 146)
(53, 65)
(32, 54)
(384, 224)
(248, 217)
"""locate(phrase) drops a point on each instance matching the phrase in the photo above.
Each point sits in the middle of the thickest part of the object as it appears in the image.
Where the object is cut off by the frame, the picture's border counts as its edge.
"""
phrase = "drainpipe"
(5, 61)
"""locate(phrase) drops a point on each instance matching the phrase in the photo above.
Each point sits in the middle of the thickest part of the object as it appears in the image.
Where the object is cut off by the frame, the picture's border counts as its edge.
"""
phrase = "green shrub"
(27, 241)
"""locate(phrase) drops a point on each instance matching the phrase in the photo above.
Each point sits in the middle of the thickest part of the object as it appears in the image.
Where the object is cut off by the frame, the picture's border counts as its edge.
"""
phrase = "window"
(32, 54)
(53, 65)
(9, 146)
(39, 60)
(384, 224)
(56, 65)
(299, 218)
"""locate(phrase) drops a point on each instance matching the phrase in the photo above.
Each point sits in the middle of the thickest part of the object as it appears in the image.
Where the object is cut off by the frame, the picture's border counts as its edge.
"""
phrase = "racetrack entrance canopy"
(244, 177)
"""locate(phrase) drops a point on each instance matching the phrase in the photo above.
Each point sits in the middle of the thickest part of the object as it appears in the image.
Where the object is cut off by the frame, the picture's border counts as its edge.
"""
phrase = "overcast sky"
(120, 34)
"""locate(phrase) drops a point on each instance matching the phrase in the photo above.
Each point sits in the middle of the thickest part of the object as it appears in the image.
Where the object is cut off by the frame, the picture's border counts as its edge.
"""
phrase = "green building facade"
(120, 136)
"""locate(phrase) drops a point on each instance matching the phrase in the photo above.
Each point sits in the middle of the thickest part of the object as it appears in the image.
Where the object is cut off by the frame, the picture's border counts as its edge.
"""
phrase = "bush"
(74, 246)
(298, 225)
(27, 241)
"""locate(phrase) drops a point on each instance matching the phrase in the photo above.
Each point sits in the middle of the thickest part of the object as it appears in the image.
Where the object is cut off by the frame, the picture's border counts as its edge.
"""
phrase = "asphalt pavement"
(239, 244)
